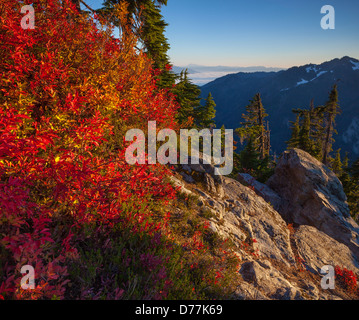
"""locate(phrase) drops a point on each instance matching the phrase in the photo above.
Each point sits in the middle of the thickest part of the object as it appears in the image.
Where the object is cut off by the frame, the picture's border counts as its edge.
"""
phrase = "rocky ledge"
(295, 224)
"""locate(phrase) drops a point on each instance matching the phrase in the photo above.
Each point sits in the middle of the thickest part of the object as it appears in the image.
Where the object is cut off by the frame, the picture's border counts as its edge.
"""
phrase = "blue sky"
(271, 33)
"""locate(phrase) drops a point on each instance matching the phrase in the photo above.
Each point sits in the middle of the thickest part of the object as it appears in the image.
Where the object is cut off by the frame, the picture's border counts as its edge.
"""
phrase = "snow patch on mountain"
(356, 65)
(311, 68)
(302, 82)
(318, 74)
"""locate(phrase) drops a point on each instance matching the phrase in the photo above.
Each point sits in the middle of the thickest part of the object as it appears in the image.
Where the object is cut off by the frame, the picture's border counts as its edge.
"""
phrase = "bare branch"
(87, 6)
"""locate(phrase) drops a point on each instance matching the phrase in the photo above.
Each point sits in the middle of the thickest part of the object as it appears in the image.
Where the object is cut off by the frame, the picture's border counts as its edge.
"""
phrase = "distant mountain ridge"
(202, 75)
(196, 68)
(285, 90)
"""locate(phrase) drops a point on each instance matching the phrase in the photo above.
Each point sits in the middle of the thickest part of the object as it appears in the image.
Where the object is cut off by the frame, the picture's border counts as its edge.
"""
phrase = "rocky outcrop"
(269, 281)
(255, 217)
(241, 214)
(261, 189)
(313, 195)
(318, 249)
(260, 220)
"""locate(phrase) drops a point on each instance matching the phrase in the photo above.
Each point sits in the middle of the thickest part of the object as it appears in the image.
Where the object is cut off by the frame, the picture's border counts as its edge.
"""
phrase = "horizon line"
(258, 66)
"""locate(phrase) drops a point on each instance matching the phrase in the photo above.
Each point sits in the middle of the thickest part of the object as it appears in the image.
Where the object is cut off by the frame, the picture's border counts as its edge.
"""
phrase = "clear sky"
(271, 33)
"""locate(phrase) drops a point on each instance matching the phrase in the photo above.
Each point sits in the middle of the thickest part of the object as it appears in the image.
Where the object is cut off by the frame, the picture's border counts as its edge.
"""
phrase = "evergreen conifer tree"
(205, 114)
(350, 181)
(255, 131)
(254, 127)
(294, 140)
(345, 177)
(313, 129)
(355, 170)
(337, 165)
(331, 110)
(304, 133)
(249, 157)
(149, 25)
(316, 131)
(188, 97)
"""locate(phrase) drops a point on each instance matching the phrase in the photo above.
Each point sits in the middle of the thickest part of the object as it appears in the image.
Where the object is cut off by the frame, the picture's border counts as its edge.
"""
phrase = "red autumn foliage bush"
(92, 226)
(346, 278)
(68, 92)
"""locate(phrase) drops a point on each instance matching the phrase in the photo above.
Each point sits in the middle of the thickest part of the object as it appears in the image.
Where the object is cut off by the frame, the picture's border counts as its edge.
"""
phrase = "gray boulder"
(318, 250)
(313, 195)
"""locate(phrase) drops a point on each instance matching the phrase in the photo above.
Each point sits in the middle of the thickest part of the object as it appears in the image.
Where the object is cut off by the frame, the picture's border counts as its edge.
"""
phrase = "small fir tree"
(204, 115)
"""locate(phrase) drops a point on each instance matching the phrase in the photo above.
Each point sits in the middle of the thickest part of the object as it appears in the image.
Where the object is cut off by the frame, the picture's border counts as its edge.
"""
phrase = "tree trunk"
(328, 138)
